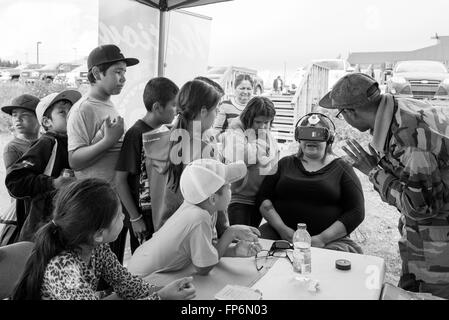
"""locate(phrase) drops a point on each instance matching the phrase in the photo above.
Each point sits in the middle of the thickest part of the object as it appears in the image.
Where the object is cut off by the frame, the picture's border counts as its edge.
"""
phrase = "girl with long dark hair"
(169, 151)
(71, 251)
(249, 139)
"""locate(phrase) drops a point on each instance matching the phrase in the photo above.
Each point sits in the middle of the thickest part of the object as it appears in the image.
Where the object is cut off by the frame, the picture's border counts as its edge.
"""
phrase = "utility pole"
(37, 51)
(443, 57)
(285, 68)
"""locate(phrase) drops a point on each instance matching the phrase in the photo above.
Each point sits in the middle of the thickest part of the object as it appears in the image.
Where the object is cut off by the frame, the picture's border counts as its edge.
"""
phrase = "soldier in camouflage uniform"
(408, 165)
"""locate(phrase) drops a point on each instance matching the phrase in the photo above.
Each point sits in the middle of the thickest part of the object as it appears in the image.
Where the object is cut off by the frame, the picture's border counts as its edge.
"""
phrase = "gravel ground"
(378, 234)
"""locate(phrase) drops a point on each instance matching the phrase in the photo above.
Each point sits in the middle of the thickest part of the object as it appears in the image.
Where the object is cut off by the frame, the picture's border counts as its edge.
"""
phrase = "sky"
(67, 29)
(267, 35)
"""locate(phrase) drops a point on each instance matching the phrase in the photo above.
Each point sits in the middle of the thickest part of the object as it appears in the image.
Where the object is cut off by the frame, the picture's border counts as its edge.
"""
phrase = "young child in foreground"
(71, 251)
(22, 110)
(186, 237)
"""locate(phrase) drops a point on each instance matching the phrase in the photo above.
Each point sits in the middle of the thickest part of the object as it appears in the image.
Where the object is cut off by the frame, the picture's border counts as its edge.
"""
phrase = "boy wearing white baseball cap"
(186, 237)
(38, 172)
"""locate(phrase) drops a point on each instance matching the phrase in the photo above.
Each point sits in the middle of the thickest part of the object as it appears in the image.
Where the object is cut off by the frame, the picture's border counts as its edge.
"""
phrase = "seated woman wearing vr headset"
(313, 187)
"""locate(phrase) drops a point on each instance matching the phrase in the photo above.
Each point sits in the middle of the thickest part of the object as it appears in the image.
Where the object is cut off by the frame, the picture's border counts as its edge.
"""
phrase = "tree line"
(8, 63)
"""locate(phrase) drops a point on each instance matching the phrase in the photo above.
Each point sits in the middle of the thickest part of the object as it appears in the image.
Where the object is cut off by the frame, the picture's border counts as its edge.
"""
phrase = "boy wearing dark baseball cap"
(94, 127)
(22, 110)
(26, 130)
(38, 173)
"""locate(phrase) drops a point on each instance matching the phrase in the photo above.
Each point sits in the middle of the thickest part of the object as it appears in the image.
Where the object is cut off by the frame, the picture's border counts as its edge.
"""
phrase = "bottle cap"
(343, 264)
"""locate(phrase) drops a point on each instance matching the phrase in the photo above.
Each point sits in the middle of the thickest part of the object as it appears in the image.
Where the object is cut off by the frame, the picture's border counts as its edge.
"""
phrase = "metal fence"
(313, 86)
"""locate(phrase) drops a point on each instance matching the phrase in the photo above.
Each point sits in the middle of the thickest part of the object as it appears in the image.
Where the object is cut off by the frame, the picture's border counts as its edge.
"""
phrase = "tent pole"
(161, 51)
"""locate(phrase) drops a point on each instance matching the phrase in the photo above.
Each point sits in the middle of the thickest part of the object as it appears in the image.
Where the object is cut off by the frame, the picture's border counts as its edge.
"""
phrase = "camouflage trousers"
(424, 250)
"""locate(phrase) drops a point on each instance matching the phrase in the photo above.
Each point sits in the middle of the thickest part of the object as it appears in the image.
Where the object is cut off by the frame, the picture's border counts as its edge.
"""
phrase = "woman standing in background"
(232, 108)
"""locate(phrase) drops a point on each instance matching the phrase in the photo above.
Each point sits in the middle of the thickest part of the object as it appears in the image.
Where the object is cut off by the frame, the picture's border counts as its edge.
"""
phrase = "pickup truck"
(74, 78)
(13, 74)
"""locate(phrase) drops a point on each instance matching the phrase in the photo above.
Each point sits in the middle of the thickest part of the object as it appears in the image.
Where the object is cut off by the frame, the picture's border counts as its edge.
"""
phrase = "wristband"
(373, 172)
(136, 219)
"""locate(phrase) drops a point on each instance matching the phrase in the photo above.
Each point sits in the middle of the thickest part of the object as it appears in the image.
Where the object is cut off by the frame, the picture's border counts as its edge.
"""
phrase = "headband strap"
(317, 113)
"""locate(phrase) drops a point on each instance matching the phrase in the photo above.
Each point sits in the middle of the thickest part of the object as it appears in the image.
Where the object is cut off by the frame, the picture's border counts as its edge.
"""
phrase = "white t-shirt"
(85, 127)
(185, 238)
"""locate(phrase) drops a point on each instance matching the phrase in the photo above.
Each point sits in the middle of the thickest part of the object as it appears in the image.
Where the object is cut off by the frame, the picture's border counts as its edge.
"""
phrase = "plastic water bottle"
(302, 256)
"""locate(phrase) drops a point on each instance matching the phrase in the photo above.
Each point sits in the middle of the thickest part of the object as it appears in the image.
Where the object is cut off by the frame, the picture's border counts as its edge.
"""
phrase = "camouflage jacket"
(413, 176)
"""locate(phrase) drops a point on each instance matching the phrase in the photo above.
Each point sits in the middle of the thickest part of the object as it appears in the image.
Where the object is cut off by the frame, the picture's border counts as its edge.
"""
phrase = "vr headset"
(313, 133)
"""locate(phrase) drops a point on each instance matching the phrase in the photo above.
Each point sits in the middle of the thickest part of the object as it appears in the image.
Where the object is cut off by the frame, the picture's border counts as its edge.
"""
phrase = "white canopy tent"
(164, 6)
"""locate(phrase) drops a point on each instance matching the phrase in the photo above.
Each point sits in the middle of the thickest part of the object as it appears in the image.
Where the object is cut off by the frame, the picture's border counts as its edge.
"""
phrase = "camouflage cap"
(351, 91)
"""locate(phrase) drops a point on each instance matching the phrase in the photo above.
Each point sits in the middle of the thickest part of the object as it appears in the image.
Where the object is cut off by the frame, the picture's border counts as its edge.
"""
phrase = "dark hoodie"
(31, 177)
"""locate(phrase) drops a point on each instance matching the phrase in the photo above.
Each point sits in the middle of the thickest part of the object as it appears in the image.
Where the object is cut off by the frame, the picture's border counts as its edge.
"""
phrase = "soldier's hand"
(363, 161)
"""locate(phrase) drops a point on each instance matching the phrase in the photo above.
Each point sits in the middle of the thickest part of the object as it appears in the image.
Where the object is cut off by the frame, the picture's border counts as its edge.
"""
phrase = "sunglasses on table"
(266, 258)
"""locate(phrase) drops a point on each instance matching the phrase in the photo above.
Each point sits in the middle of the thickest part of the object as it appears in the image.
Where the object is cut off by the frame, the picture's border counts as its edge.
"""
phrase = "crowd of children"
(174, 210)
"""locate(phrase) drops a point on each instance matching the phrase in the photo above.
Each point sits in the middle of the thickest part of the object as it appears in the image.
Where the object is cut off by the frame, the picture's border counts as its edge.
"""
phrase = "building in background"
(383, 60)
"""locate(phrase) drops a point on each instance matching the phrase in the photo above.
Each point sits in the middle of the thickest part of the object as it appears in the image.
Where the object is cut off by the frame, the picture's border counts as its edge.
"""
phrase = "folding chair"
(13, 258)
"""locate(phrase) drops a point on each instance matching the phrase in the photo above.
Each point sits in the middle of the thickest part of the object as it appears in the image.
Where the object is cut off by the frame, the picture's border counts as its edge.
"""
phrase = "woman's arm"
(269, 213)
(336, 231)
(352, 199)
(265, 198)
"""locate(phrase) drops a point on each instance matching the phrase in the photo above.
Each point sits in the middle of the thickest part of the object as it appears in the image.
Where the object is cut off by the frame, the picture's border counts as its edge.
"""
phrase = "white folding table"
(363, 282)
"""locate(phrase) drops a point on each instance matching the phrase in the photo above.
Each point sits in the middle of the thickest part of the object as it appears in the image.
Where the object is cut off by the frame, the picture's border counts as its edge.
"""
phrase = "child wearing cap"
(186, 237)
(37, 173)
(94, 127)
(131, 174)
(26, 131)
(25, 126)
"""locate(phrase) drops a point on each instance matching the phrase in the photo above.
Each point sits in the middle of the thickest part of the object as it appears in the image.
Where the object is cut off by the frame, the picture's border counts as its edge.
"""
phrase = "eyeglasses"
(266, 258)
(338, 114)
(341, 111)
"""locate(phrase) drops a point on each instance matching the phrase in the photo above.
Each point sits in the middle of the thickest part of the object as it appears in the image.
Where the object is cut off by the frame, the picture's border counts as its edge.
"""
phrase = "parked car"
(4, 74)
(421, 79)
(225, 76)
(337, 69)
(12, 74)
(49, 71)
(74, 78)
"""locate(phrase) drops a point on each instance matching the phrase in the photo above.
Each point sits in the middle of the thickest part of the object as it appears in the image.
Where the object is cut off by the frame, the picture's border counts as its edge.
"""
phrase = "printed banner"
(188, 46)
(134, 27)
